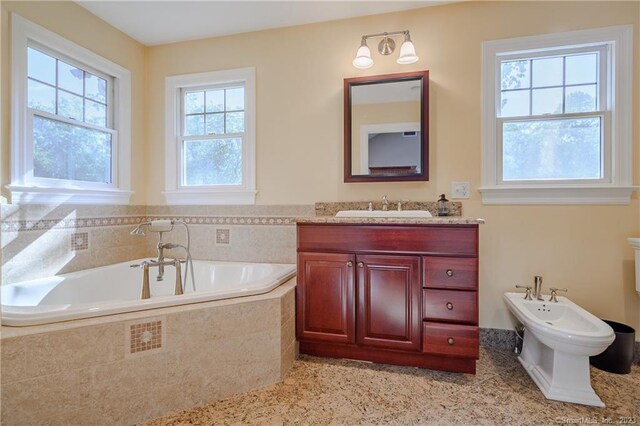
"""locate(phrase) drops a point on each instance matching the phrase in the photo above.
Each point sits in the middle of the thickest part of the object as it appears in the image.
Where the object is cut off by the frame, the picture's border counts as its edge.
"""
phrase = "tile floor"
(323, 391)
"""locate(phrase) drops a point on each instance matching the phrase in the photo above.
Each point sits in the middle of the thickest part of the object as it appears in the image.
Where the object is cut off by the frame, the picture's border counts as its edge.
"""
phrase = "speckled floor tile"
(322, 391)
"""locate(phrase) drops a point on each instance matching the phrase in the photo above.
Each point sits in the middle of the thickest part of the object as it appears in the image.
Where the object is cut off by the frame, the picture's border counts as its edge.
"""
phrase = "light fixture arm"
(384, 35)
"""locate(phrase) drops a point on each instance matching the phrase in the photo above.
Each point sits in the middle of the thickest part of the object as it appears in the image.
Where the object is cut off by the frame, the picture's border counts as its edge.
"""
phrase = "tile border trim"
(94, 222)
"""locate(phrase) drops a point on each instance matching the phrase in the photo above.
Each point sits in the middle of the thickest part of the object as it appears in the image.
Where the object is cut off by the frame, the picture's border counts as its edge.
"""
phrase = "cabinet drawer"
(451, 272)
(454, 340)
(450, 305)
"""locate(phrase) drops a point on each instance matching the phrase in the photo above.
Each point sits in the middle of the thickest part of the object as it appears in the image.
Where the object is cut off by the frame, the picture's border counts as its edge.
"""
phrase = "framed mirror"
(386, 128)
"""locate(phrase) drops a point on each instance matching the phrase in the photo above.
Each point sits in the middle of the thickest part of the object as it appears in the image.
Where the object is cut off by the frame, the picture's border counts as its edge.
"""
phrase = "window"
(210, 130)
(71, 139)
(556, 118)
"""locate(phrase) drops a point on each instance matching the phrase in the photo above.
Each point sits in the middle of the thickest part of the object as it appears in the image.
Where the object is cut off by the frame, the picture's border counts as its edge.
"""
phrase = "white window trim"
(367, 129)
(215, 194)
(24, 191)
(619, 188)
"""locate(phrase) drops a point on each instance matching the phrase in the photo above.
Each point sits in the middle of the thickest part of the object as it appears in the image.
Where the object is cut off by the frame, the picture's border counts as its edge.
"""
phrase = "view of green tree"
(213, 162)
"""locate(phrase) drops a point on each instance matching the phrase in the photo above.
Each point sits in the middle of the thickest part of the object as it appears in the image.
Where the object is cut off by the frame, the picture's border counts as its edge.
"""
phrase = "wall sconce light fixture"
(386, 47)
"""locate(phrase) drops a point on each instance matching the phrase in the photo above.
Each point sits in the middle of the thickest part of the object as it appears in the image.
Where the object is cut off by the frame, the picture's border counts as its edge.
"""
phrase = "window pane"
(546, 101)
(40, 66)
(95, 113)
(215, 124)
(235, 99)
(235, 122)
(514, 103)
(95, 88)
(194, 102)
(514, 74)
(41, 97)
(69, 105)
(552, 149)
(582, 69)
(65, 151)
(215, 100)
(213, 162)
(547, 72)
(70, 78)
(580, 98)
(194, 125)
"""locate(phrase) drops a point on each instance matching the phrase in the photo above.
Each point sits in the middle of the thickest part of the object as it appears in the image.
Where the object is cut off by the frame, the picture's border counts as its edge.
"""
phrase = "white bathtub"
(116, 289)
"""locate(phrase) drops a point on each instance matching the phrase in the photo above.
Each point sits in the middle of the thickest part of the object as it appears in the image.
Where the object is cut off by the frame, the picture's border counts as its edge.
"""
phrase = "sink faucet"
(537, 292)
(385, 203)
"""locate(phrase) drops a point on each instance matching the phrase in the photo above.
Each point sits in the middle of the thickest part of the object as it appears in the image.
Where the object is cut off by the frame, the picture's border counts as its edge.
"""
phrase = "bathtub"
(116, 289)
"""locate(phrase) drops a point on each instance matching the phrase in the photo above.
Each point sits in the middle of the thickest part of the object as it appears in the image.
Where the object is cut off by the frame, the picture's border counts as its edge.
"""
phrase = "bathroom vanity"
(389, 290)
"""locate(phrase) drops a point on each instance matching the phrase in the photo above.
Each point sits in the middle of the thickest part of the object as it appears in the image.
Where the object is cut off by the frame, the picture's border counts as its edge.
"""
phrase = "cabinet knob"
(449, 306)
(349, 264)
(450, 341)
(360, 265)
(449, 272)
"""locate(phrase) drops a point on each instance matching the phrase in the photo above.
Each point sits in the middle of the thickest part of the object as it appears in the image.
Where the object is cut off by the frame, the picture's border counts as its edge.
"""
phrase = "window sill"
(566, 194)
(46, 195)
(209, 197)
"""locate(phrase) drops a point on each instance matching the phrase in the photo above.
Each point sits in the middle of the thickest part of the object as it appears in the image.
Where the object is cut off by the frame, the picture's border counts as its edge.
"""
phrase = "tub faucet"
(537, 292)
(385, 203)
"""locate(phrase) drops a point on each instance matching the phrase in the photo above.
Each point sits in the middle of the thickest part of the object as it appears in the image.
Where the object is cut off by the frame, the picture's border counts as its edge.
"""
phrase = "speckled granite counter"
(446, 220)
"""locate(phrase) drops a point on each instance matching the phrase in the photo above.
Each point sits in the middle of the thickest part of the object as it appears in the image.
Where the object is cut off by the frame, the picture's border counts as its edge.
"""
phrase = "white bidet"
(558, 341)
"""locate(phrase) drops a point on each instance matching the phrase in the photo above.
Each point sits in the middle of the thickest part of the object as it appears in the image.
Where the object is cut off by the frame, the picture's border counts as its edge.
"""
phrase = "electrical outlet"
(459, 189)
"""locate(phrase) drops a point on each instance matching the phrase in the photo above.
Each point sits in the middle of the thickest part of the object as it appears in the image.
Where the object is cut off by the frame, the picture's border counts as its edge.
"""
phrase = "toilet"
(558, 341)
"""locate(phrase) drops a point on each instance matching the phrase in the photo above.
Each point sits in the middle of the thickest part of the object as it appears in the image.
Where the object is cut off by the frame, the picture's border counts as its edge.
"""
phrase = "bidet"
(559, 338)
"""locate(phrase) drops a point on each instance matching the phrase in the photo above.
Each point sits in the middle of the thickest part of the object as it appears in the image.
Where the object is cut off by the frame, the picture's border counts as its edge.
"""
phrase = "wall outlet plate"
(459, 189)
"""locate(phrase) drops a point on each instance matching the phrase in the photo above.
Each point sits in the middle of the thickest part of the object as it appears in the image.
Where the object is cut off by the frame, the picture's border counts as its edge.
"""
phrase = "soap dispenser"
(443, 206)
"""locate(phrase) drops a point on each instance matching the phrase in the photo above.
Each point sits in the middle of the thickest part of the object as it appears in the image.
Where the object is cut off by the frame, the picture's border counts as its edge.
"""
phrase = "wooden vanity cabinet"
(397, 294)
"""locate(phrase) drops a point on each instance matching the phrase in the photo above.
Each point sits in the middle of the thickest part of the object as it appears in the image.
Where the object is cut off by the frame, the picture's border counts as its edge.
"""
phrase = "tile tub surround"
(341, 392)
(38, 240)
(82, 372)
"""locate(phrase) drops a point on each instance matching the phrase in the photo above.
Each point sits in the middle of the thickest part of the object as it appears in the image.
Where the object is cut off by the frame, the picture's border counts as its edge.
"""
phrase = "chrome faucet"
(537, 292)
(527, 295)
(554, 293)
(399, 206)
(146, 264)
(385, 203)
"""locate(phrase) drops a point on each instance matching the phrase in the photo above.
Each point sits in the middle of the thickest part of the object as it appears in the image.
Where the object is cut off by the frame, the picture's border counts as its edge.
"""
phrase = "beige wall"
(300, 72)
(78, 25)
(389, 112)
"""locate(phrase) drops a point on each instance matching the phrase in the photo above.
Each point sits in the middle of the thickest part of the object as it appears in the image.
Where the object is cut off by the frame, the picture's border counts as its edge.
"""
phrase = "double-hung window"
(556, 118)
(210, 140)
(71, 122)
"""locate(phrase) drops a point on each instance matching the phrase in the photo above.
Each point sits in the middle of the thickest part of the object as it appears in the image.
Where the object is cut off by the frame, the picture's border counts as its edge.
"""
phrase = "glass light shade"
(363, 58)
(407, 53)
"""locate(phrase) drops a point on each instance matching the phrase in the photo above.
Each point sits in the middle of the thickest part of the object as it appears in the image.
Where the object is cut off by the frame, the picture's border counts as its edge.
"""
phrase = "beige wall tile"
(72, 349)
(12, 360)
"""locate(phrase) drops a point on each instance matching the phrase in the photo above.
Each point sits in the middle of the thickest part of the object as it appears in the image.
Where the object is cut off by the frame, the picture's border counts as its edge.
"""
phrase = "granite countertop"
(443, 220)
(325, 213)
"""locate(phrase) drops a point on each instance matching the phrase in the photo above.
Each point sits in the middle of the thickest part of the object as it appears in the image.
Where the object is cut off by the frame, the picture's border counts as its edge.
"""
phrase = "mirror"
(386, 128)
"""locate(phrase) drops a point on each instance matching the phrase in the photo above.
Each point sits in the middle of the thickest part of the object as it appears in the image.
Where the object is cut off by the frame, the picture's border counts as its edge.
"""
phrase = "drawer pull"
(450, 341)
(449, 306)
(360, 265)
(449, 272)
(349, 264)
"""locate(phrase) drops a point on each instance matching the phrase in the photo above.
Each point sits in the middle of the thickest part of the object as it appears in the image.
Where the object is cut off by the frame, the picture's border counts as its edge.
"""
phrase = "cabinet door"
(389, 301)
(325, 297)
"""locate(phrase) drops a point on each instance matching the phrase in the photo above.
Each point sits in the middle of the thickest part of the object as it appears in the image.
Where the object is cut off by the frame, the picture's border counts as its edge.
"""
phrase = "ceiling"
(160, 22)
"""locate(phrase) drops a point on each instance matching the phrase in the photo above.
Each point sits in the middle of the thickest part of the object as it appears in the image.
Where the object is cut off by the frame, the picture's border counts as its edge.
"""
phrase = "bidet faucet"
(537, 292)
(554, 293)
(385, 203)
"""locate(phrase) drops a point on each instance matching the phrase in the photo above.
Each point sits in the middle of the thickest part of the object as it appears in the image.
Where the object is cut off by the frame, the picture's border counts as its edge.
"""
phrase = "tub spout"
(178, 287)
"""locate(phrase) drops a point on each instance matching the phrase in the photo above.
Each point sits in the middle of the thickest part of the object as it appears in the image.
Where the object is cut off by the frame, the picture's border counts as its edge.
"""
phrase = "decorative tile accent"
(145, 336)
(47, 224)
(222, 236)
(79, 241)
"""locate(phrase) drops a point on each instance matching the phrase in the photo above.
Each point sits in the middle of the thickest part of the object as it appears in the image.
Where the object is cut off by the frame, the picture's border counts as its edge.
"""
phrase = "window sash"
(110, 124)
(224, 112)
(605, 149)
(29, 177)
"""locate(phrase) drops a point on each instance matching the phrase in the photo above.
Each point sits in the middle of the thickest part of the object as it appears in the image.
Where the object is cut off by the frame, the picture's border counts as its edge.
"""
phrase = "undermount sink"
(381, 213)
